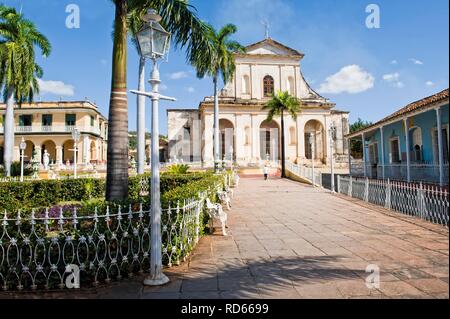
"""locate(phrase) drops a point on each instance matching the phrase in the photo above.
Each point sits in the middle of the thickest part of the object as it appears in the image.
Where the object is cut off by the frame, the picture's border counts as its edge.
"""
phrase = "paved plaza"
(288, 240)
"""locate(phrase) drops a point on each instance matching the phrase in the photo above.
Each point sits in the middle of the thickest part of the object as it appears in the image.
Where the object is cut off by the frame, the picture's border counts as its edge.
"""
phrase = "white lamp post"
(154, 43)
(76, 138)
(313, 156)
(22, 147)
(332, 133)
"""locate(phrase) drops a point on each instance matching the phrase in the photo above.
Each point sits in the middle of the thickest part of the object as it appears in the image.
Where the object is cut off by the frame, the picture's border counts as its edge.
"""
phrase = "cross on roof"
(266, 25)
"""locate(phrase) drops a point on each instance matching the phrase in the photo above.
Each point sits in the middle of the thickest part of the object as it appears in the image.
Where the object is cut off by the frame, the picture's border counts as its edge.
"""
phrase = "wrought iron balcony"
(39, 129)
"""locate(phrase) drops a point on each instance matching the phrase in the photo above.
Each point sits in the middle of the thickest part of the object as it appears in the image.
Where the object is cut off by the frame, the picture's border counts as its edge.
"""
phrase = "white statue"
(46, 159)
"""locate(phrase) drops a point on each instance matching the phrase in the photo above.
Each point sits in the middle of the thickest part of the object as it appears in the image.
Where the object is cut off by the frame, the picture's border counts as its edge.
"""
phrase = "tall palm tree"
(220, 63)
(188, 32)
(281, 103)
(19, 72)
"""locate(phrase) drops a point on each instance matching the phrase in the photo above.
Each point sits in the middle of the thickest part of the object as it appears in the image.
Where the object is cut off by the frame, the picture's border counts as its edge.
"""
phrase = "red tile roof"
(410, 108)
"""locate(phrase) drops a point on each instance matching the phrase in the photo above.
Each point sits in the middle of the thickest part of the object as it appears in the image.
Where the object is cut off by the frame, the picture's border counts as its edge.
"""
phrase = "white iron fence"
(305, 173)
(36, 251)
(430, 203)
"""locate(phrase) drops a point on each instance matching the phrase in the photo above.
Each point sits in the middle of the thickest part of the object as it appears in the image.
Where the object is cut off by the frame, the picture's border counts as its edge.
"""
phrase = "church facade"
(246, 137)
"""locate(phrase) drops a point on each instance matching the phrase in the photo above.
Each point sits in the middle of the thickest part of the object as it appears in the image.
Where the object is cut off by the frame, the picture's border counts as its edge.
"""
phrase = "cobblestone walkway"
(288, 240)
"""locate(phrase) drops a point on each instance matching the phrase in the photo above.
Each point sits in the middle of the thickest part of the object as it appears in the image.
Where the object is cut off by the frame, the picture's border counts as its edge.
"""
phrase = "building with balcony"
(48, 126)
(411, 144)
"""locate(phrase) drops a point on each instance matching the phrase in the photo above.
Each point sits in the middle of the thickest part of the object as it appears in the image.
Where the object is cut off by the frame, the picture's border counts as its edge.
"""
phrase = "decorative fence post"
(350, 186)
(366, 190)
(388, 195)
(339, 184)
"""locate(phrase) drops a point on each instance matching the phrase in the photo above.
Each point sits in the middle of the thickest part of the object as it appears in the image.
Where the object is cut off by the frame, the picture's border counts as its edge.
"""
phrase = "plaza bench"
(224, 198)
(216, 212)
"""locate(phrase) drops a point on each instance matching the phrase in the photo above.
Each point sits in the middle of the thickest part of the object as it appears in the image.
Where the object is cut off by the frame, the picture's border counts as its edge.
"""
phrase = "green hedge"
(46, 193)
(43, 193)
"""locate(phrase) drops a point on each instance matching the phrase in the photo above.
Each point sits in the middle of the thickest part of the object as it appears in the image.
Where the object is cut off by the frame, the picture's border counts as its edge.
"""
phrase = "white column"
(208, 153)
(86, 157)
(408, 159)
(255, 139)
(364, 154)
(301, 138)
(349, 141)
(382, 153)
(59, 159)
(440, 146)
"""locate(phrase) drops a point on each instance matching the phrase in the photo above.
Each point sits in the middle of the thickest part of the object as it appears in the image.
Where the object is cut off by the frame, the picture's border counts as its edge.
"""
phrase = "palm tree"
(281, 103)
(188, 32)
(220, 63)
(19, 72)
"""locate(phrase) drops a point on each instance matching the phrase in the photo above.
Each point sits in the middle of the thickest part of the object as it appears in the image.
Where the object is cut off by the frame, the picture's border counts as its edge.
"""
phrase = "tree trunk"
(283, 148)
(9, 132)
(141, 119)
(216, 126)
(117, 169)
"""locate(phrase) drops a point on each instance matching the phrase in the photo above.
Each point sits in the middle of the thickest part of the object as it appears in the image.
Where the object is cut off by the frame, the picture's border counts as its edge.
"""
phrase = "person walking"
(266, 172)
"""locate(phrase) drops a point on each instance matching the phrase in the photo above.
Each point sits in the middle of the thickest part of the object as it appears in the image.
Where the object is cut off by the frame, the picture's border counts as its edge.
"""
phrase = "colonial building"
(411, 144)
(246, 136)
(48, 126)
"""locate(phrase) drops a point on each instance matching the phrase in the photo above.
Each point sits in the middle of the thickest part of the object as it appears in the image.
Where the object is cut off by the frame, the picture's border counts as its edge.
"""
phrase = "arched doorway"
(227, 150)
(29, 149)
(50, 146)
(67, 151)
(269, 136)
(314, 130)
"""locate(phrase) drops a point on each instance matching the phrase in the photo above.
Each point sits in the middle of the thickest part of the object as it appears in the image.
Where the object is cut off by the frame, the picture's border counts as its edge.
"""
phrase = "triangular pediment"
(271, 47)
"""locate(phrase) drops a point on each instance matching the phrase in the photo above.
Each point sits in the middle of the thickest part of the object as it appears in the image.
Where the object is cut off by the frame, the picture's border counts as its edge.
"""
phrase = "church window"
(293, 135)
(291, 86)
(246, 84)
(269, 86)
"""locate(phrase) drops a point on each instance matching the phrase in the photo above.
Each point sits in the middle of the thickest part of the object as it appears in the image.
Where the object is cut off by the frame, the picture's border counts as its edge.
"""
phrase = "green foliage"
(15, 170)
(18, 68)
(44, 193)
(359, 125)
(356, 145)
(178, 169)
(282, 102)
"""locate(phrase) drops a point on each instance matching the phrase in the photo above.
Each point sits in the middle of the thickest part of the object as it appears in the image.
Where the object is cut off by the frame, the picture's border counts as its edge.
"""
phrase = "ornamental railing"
(41, 251)
(427, 172)
(305, 173)
(427, 202)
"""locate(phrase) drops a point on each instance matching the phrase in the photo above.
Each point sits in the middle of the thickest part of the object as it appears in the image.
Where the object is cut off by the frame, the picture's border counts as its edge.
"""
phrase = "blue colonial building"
(411, 144)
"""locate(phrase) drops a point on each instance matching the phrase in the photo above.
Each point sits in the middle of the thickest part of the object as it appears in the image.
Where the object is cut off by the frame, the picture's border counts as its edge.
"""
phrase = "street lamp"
(313, 156)
(154, 43)
(332, 134)
(76, 137)
(22, 148)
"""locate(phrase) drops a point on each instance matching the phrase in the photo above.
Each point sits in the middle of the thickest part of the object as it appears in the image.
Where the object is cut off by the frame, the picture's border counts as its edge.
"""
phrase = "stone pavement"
(288, 240)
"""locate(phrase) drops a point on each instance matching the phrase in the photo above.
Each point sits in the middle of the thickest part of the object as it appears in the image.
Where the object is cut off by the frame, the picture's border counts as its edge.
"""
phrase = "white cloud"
(394, 62)
(163, 87)
(394, 79)
(415, 61)
(178, 75)
(56, 88)
(429, 83)
(350, 79)
(190, 89)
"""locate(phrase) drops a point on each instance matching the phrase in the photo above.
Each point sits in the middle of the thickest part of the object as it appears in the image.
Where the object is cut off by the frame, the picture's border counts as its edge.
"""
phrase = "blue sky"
(369, 72)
